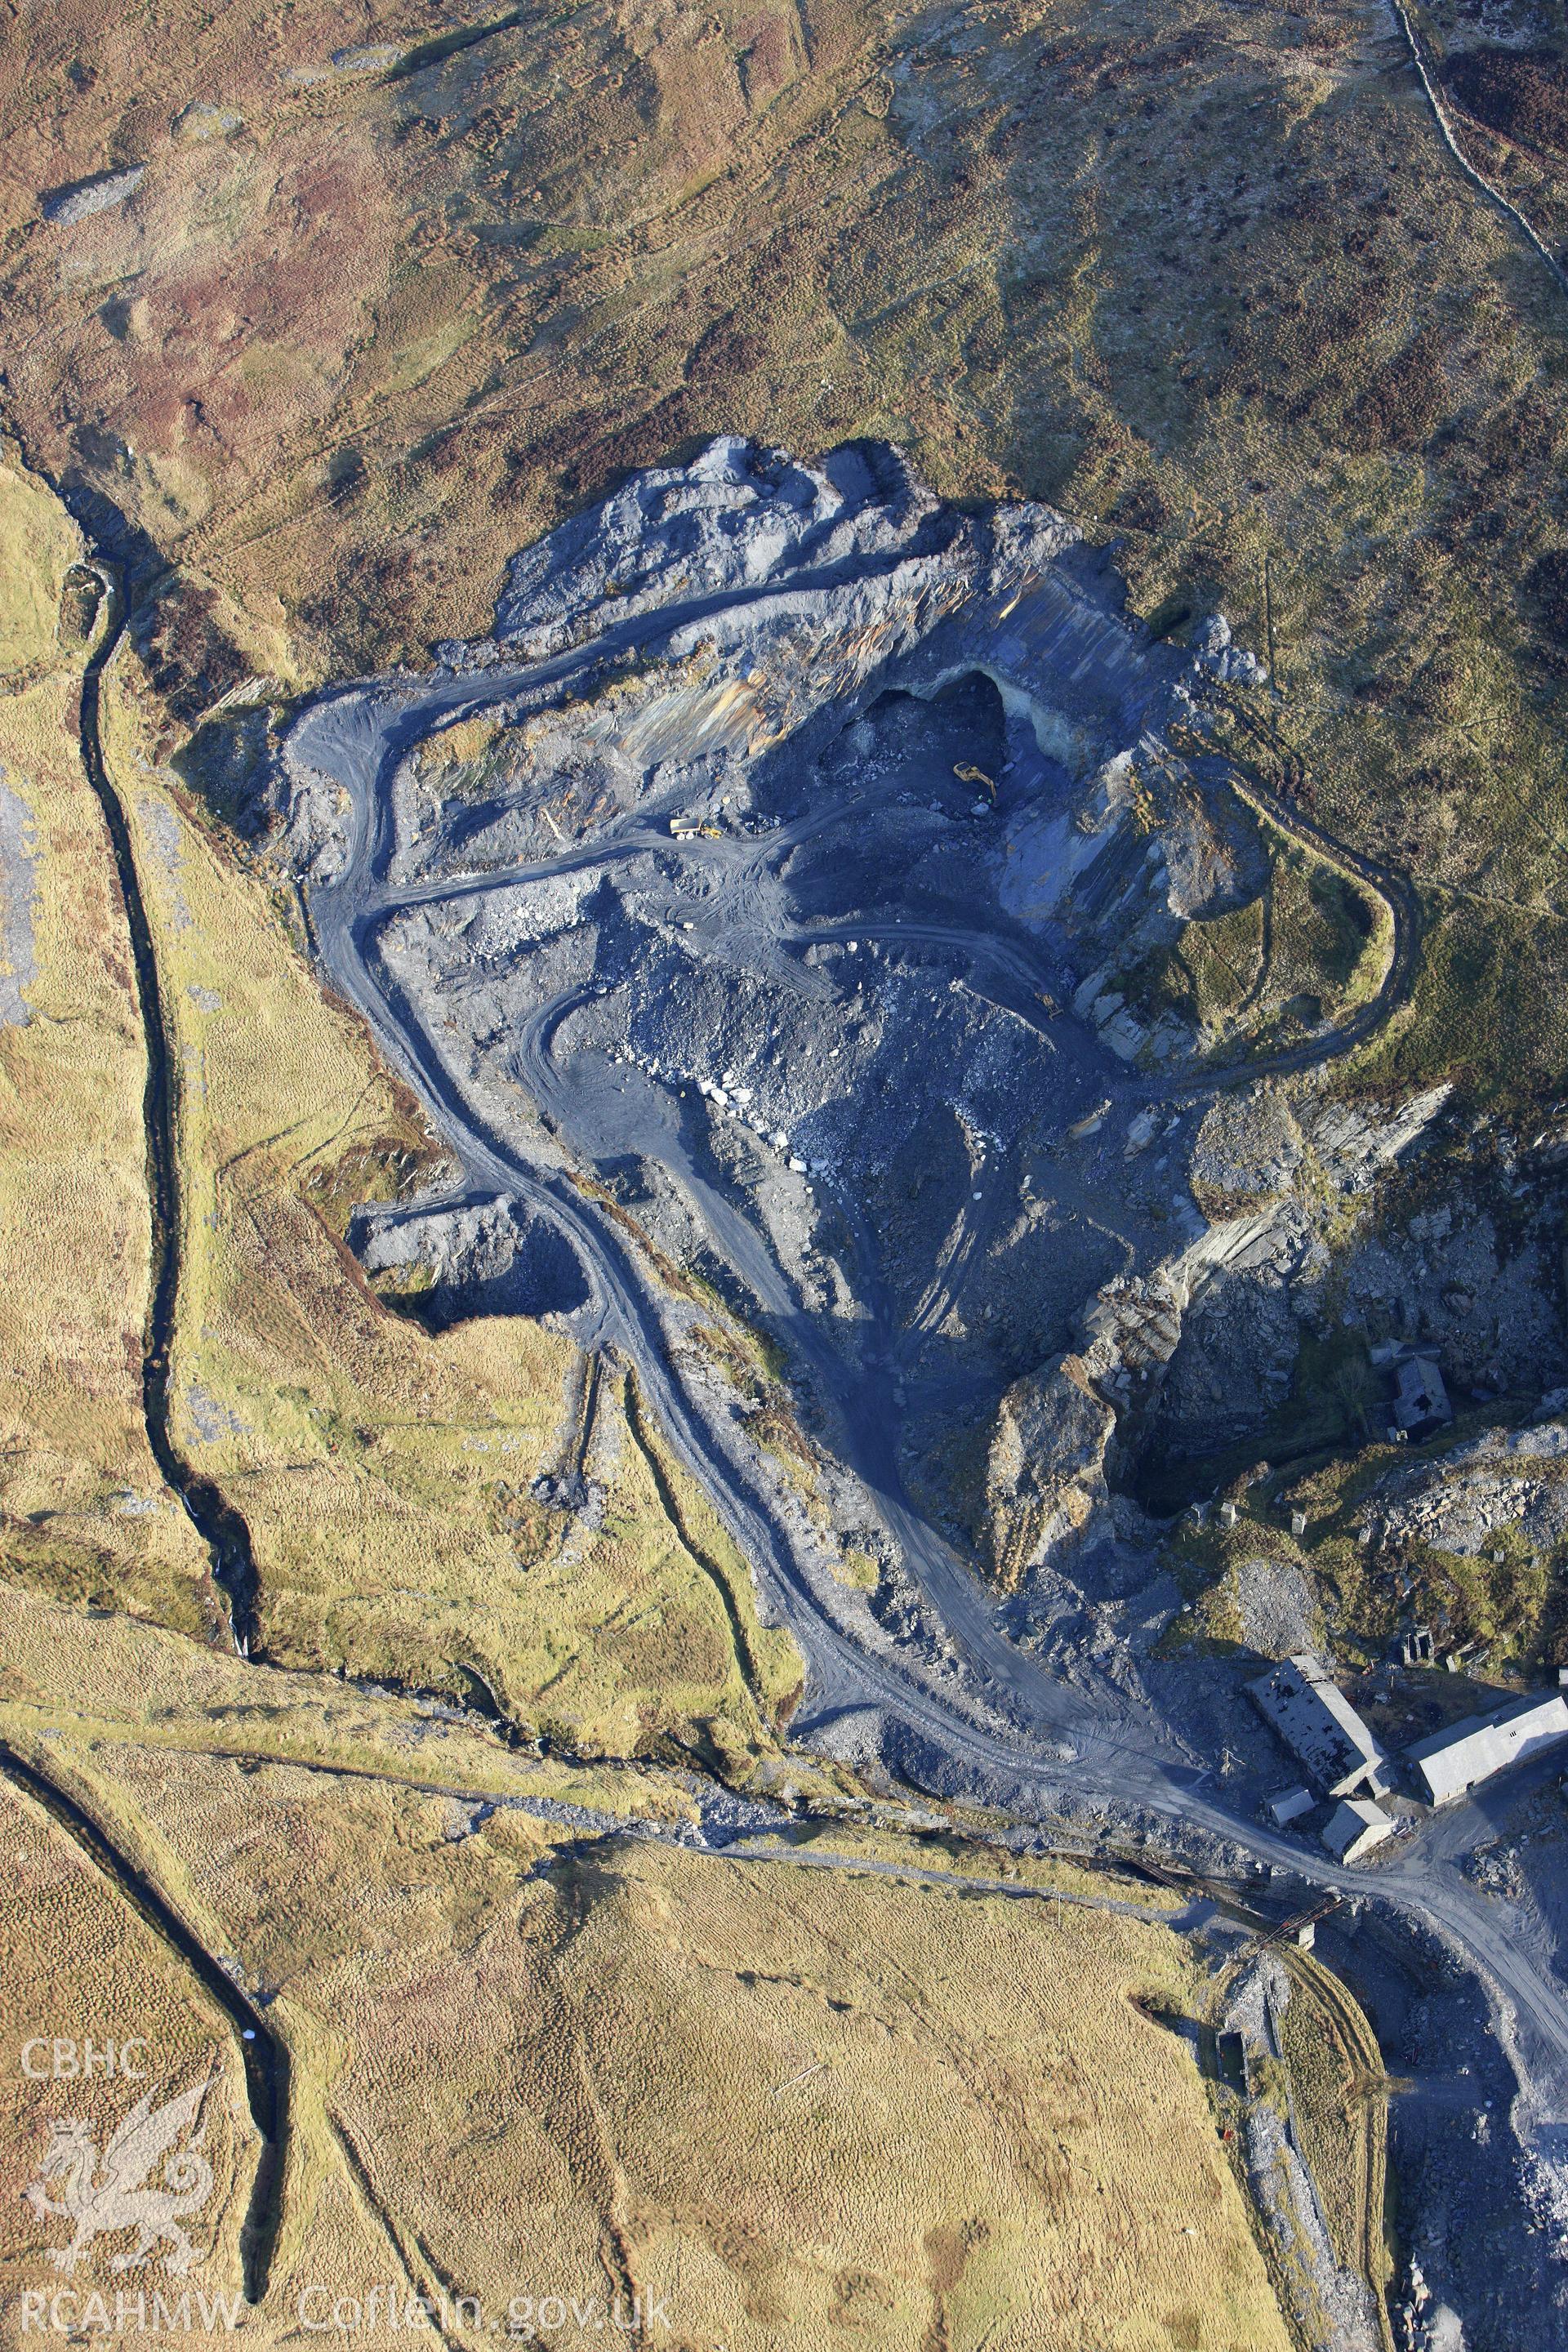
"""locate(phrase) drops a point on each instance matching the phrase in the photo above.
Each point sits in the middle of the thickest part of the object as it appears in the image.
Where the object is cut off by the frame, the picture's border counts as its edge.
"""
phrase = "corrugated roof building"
(1454, 1761)
(1315, 1719)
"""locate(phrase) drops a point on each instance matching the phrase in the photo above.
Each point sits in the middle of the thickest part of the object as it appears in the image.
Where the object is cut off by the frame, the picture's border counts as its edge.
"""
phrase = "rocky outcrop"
(479, 1257)
(1046, 1470)
(1356, 1141)
(1207, 1335)
(1466, 1500)
(1248, 1152)
(1145, 852)
(62, 207)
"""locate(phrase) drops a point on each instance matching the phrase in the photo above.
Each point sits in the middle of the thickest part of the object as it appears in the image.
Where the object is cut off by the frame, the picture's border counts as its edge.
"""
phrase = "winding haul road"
(1017, 1735)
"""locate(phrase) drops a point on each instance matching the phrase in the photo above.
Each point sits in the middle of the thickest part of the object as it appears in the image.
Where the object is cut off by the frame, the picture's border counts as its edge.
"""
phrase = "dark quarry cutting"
(786, 861)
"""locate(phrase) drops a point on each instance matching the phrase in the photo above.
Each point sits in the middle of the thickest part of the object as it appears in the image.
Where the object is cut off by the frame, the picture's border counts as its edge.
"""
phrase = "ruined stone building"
(1318, 1722)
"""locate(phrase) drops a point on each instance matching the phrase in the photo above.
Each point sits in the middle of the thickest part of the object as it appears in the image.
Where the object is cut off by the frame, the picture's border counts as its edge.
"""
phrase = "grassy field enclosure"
(780, 2102)
(1297, 960)
(41, 544)
(97, 1677)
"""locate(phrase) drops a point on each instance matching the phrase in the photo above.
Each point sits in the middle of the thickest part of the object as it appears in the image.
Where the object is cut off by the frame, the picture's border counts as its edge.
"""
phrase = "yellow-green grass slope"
(779, 2104)
(383, 1473)
(83, 1510)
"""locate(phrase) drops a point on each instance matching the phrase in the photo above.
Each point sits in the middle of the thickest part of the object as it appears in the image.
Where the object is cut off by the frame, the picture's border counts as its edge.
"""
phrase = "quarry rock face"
(788, 857)
(738, 518)
(482, 1258)
(1247, 1151)
(1196, 1347)
(1044, 1473)
(793, 914)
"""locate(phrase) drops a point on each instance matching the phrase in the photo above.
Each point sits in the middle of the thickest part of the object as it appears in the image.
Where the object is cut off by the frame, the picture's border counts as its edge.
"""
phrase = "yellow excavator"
(968, 774)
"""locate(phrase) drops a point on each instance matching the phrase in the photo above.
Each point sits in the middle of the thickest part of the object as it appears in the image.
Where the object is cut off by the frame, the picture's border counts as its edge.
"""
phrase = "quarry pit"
(788, 869)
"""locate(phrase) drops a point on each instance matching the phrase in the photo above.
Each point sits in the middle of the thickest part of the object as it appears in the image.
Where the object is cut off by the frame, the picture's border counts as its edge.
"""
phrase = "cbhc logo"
(58, 2059)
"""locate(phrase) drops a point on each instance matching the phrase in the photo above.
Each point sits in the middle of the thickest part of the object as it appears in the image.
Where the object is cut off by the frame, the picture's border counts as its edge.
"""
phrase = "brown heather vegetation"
(1522, 92)
(1207, 278)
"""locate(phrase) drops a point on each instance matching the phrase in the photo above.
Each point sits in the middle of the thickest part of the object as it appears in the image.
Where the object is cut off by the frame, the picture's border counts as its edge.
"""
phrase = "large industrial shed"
(1453, 1761)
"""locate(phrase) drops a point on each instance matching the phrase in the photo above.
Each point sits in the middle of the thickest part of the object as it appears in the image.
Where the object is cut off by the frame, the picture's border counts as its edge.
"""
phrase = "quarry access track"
(1395, 890)
(1018, 1737)
(990, 953)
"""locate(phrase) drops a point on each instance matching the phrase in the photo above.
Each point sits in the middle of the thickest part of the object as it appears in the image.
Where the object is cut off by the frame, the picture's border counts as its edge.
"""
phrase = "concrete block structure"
(1318, 1722)
(1453, 1761)
(1355, 1827)
(1292, 1805)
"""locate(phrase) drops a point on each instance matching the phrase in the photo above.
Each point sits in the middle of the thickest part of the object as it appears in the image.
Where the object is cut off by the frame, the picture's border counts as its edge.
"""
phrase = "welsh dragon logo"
(103, 2195)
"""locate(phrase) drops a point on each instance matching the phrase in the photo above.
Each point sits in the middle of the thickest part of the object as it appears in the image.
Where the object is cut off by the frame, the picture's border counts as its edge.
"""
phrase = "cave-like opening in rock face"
(928, 739)
(908, 793)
